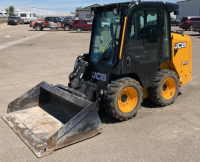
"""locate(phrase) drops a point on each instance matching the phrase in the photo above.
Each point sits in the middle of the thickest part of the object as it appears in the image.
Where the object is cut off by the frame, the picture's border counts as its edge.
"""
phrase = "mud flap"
(47, 118)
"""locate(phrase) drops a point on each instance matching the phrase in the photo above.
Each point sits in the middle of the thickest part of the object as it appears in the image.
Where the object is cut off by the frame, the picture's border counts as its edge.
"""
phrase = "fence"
(3, 19)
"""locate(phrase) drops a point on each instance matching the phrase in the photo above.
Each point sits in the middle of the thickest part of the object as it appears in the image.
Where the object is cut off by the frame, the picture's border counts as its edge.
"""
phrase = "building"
(37, 11)
(188, 8)
(84, 13)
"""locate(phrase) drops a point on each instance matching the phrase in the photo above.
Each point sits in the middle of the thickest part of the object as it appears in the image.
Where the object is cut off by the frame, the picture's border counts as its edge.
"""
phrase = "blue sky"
(61, 5)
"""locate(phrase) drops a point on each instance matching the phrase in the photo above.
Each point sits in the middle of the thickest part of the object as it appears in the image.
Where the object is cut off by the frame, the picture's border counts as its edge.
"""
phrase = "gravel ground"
(170, 133)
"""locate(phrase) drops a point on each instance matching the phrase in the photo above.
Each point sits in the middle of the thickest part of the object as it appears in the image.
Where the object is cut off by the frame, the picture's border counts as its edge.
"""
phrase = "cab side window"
(166, 35)
(136, 29)
(143, 33)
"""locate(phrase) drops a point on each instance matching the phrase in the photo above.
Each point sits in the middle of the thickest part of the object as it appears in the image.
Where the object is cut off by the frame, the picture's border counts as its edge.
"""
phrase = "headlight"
(15, 20)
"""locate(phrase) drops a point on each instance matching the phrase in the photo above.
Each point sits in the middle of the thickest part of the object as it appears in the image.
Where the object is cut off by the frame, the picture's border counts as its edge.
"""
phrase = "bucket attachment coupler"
(47, 118)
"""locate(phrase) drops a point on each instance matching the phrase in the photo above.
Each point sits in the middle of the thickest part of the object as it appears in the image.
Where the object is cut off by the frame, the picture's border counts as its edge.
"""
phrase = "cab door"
(142, 42)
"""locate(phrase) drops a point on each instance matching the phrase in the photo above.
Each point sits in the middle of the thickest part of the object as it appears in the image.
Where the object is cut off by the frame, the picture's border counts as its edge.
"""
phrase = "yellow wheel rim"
(168, 88)
(127, 99)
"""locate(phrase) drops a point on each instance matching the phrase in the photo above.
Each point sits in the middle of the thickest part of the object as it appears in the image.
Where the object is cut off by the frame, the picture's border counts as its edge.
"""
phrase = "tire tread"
(112, 89)
(153, 90)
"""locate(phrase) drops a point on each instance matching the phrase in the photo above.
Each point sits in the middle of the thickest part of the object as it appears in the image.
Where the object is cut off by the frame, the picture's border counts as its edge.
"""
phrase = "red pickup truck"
(51, 22)
(80, 25)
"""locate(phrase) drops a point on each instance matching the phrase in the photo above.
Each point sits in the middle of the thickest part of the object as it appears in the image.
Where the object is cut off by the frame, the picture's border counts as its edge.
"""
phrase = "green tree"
(10, 10)
(77, 14)
(77, 11)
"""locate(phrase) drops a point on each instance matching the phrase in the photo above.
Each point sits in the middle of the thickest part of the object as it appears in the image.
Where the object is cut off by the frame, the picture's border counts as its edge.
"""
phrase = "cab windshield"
(105, 40)
(15, 18)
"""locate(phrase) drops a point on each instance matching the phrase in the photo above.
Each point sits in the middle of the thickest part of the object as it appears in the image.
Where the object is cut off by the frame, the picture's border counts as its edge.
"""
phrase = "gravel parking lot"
(170, 133)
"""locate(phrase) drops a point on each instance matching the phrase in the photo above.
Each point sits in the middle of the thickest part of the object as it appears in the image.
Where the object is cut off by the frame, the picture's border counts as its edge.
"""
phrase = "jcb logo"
(185, 63)
(99, 76)
(180, 45)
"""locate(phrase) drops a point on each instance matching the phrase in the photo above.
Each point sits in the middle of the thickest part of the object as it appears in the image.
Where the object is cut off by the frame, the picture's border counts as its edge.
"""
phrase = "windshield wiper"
(112, 42)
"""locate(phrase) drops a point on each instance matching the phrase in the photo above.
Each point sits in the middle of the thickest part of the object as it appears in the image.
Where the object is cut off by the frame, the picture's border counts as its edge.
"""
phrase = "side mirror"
(176, 12)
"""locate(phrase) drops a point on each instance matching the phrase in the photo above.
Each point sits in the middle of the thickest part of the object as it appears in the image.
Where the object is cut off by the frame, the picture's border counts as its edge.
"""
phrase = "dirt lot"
(4, 24)
(170, 133)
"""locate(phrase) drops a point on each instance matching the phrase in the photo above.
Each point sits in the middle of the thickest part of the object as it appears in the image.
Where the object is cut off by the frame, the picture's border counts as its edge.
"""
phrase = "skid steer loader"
(136, 57)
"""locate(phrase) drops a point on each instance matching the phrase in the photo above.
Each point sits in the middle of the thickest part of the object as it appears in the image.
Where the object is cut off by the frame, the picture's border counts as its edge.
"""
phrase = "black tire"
(185, 29)
(38, 28)
(190, 28)
(78, 30)
(67, 27)
(111, 97)
(158, 87)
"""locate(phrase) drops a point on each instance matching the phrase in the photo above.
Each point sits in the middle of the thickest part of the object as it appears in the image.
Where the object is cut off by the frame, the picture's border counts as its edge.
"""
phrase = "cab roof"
(170, 6)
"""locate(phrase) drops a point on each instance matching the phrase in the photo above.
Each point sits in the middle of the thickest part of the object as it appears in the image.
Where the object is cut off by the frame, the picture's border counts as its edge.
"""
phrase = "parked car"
(187, 22)
(175, 22)
(15, 20)
(80, 25)
(196, 27)
(105, 25)
(51, 22)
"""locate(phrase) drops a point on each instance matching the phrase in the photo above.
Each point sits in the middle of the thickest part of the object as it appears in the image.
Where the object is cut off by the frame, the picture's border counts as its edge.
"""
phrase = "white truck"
(3, 14)
(27, 16)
